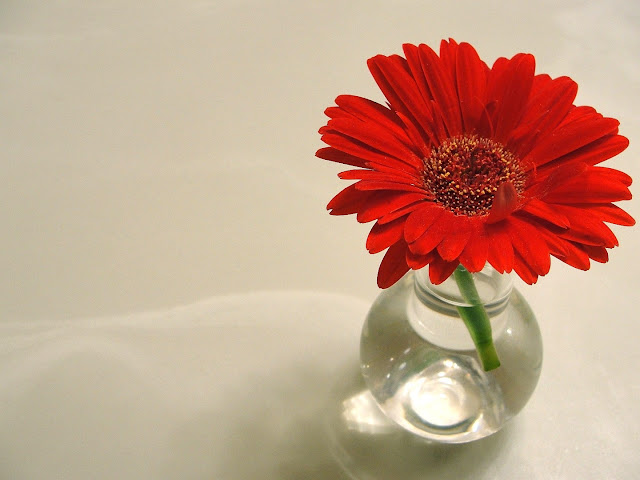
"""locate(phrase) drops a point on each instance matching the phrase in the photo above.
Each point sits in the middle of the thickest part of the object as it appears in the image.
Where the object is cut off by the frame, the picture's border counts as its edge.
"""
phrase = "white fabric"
(238, 387)
(224, 389)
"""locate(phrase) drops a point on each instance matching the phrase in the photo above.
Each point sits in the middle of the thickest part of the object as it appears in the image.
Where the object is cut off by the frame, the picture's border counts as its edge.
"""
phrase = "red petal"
(570, 137)
(550, 98)
(420, 220)
(393, 266)
(417, 262)
(513, 87)
(545, 184)
(599, 254)
(434, 234)
(438, 121)
(505, 202)
(442, 88)
(368, 185)
(613, 174)
(524, 270)
(424, 116)
(333, 155)
(475, 253)
(485, 124)
(609, 213)
(440, 270)
(382, 236)
(540, 82)
(575, 256)
(557, 245)
(393, 176)
(375, 136)
(395, 167)
(369, 110)
(498, 68)
(382, 203)
(359, 150)
(592, 154)
(420, 139)
(336, 112)
(401, 212)
(448, 54)
(594, 185)
(413, 61)
(456, 239)
(580, 113)
(500, 253)
(394, 79)
(586, 228)
(544, 112)
(528, 243)
(452, 245)
(472, 85)
(348, 201)
(544, 211)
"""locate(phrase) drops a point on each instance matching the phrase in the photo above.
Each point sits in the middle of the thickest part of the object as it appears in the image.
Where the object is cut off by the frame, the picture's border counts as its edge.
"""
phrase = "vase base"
(449, 401)
(367, 445)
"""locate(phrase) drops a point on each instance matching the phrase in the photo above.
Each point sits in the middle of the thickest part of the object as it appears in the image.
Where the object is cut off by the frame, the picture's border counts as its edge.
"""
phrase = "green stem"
(476, 319)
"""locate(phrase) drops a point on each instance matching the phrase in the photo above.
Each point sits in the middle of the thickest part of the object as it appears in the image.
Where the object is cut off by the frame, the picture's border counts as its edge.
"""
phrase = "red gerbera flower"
(469, 164)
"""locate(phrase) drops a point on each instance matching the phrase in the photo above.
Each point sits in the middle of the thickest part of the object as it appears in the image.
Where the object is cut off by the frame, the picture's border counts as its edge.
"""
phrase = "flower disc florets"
(464, 173)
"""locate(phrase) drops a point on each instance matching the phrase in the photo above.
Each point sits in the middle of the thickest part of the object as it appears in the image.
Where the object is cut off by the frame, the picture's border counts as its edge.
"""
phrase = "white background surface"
(155, 154)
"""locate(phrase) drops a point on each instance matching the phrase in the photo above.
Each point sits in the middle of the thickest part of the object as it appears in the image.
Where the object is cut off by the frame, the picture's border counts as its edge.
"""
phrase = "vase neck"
(493, 288)
(433, 309)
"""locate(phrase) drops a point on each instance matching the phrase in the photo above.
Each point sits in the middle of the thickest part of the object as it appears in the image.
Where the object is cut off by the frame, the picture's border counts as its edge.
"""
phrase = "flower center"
(464, 173)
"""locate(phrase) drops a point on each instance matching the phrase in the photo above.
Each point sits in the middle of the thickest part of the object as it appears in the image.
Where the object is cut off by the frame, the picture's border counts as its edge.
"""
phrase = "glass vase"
(420, 364)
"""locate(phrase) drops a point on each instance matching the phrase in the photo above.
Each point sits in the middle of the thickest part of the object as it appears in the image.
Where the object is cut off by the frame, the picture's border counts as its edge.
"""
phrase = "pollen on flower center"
(464, 173)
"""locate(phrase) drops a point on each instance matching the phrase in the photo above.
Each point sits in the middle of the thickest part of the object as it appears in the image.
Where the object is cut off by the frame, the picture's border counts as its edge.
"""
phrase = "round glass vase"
(420, 364)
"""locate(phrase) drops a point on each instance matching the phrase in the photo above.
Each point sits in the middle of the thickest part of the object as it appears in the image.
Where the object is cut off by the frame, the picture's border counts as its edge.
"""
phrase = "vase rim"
(494, 289)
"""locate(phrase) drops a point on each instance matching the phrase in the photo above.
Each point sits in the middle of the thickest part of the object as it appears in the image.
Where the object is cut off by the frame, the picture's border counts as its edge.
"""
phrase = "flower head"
(469, 164)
